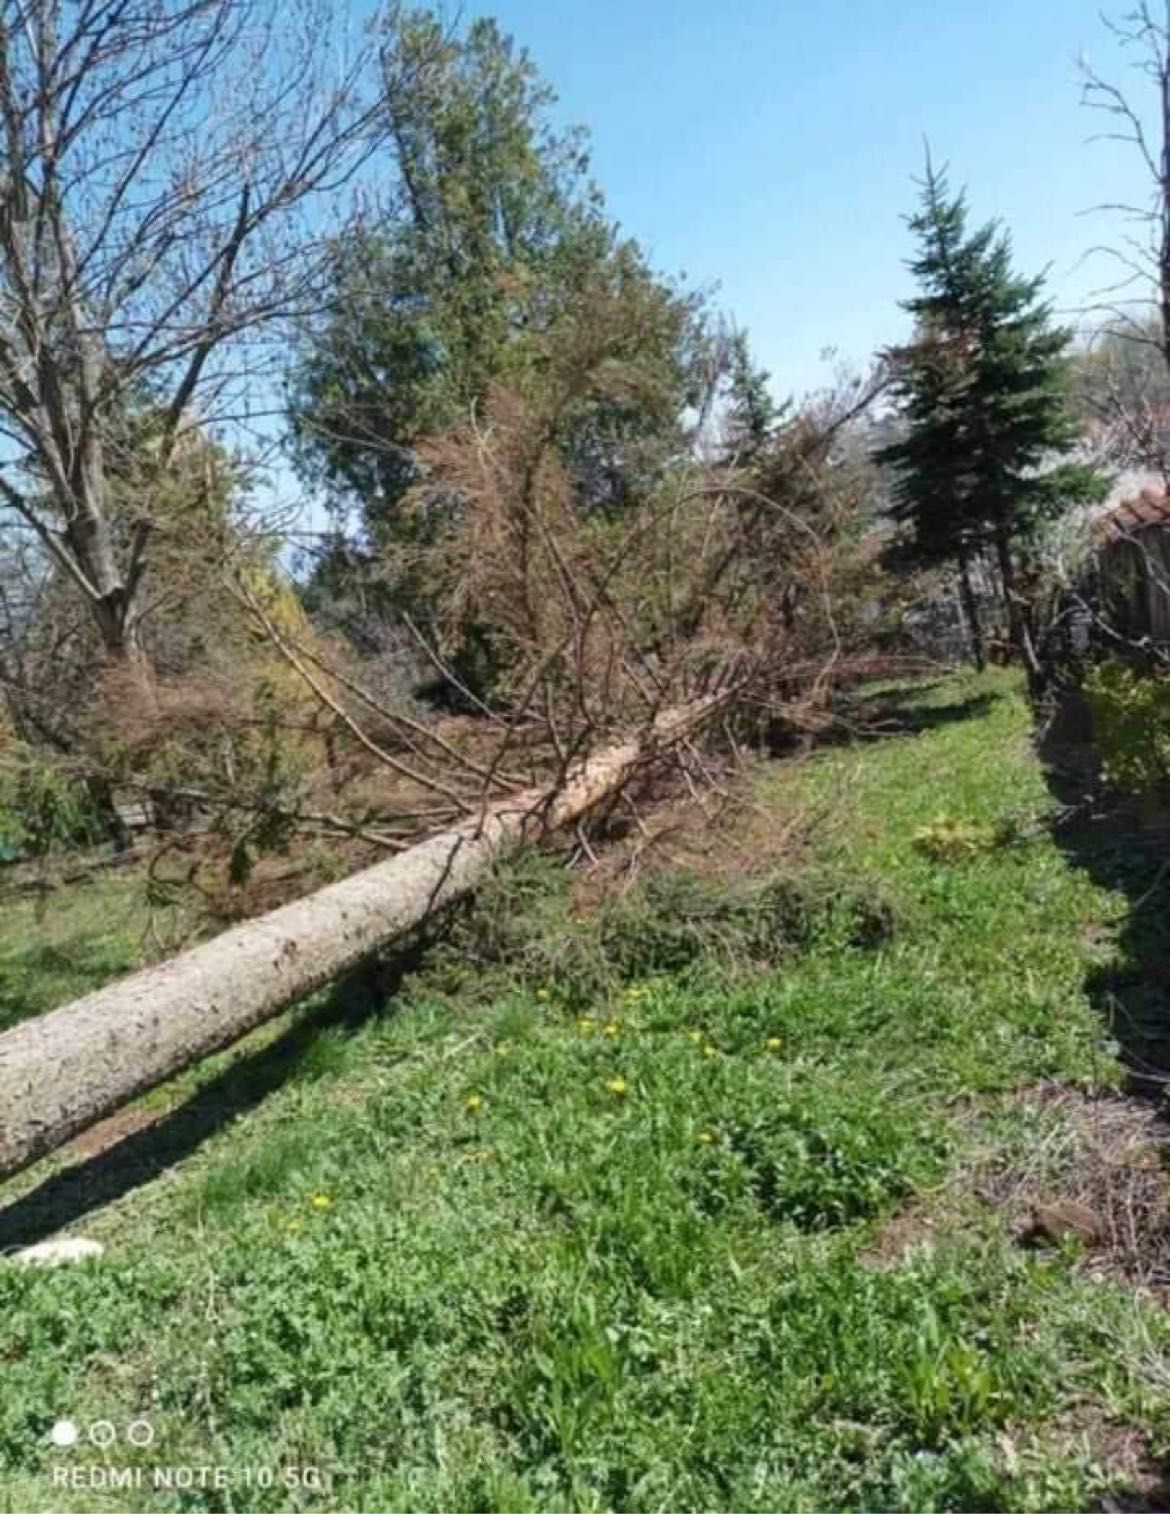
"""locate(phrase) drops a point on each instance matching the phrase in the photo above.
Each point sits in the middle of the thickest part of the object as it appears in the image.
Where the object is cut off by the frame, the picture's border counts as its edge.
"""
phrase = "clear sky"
(771, 145)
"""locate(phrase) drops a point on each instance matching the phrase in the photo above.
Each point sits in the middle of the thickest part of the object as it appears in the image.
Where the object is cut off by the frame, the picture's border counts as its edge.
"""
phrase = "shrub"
(43, 808)
(948, 838)
(1131, 728)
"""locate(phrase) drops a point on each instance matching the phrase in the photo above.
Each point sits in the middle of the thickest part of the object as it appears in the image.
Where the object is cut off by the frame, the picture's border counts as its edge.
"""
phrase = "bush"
(43, 808)
(948, 838)
(1131, 728)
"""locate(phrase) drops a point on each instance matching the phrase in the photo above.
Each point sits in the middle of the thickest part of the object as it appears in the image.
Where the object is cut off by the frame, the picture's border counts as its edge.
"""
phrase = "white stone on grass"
(69, 1248)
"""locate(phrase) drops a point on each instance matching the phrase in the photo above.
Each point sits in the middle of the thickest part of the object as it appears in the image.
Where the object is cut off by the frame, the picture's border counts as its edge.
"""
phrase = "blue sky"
(771, 147)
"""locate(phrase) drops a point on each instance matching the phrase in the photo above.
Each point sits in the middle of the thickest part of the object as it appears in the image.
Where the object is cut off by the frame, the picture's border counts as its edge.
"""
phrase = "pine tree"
(752, 413)
(983, 392)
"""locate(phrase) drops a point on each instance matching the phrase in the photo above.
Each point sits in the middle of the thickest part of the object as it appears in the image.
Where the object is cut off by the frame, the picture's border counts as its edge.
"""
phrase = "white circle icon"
(64, 1433)
(102, 1433)
(140, 1432)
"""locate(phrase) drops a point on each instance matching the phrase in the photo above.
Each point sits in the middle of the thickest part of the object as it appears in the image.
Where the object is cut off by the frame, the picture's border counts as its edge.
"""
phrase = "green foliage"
(752, 414)
(43, 808)
(496, 232)
(950, 838)
(481, 276)
(521, 930)
(983, 393)
(1131, 727)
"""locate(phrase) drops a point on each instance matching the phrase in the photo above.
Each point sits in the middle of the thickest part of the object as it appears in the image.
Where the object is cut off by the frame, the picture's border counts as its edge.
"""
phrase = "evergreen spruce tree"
(983, 392)
(752, 413)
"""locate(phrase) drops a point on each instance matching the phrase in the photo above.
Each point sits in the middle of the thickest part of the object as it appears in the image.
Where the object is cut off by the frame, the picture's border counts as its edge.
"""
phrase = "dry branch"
(69, 1068)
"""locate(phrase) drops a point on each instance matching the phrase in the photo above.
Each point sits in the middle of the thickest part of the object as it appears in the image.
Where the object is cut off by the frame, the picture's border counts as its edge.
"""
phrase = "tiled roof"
(1132, 516)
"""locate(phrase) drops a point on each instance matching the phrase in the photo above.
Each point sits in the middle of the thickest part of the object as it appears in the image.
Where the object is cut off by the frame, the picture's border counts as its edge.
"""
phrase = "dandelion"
(474, 1103)
(612, 1028)
(710, 1051)
(321, 1201)
(503, 1048)
(773, 1043)
(543, 994)
(617, 1086)
(695, 1035)
(585, 1025)
(705, 1138)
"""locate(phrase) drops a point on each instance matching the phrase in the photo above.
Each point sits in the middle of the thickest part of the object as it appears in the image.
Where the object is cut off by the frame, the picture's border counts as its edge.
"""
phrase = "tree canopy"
(982, 391)
(489, 236)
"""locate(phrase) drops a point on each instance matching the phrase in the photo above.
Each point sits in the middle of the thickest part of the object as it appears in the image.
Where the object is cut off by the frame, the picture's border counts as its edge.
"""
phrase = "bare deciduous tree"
(162, 218)
(1136, 307)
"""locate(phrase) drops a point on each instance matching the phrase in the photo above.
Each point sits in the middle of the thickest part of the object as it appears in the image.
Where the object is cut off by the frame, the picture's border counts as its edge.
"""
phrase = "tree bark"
(971, 612)
(1018, 633)
(61, 1072)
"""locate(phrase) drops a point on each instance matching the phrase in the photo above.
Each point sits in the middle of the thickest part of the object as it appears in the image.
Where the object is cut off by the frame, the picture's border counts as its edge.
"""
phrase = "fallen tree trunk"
(66, 1069)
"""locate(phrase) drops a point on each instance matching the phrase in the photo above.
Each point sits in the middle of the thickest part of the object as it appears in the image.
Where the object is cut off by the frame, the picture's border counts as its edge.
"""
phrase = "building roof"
(1141, 512)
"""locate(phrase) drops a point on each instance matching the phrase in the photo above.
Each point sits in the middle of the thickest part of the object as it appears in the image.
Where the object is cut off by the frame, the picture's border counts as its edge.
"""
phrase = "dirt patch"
(1065, 1152)
(1140, 1481)
(916, 1225)
(107, 1133)
(1106, 1154)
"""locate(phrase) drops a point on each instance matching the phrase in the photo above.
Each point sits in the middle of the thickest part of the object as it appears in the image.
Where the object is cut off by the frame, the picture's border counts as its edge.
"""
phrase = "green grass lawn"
(66, 943)
(583, 1220)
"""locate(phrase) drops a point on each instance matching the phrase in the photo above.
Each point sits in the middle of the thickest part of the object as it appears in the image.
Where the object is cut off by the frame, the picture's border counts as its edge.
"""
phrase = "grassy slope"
(486, 1253)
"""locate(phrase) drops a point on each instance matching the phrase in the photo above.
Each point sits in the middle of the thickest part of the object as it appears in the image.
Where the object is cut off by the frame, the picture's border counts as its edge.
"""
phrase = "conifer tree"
(983, 394)
(752, 413)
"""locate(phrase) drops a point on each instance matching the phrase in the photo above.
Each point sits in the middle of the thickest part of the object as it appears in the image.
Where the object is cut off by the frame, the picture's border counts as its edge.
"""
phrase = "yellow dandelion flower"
(612, 1028)
(710, 1051)
(543, 993)
(617, 1086)
(474, 1102)
(321, 1201)
(705, 1138)
(773, 1043)
(585, 1025)
(695, 1035)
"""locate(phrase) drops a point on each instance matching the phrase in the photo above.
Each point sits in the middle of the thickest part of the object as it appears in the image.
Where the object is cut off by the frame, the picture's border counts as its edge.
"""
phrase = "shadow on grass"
(1124, 850)
(1152, 1497)
(67, 1196)
(907, 711)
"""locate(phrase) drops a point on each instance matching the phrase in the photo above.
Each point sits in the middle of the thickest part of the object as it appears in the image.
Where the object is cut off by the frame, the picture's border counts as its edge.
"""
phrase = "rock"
(69, 1248)
(1053, 1224)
